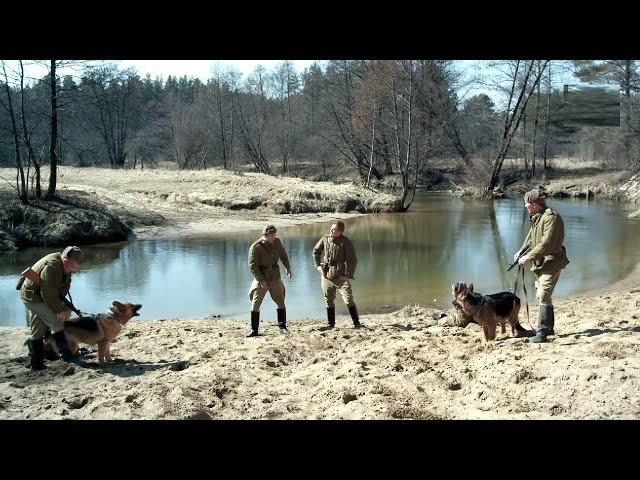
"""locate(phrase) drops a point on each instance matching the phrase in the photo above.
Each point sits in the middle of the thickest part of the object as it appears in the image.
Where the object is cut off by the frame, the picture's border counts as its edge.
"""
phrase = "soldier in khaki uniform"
(547, 255)
(44, 303)
(264, 254)
(454, 317)
(337, 267)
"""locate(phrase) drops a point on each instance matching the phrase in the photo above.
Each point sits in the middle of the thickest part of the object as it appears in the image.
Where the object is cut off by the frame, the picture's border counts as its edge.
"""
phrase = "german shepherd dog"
(490, 310)
(101, 329)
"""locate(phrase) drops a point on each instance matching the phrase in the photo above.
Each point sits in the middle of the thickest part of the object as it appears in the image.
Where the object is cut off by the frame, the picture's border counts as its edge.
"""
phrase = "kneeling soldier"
(338, 267)
(264, 254)
(42, 290)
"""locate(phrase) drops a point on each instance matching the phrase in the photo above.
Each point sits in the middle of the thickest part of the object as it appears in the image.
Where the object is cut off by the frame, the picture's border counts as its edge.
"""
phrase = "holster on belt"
(31, 274)
(325, 268)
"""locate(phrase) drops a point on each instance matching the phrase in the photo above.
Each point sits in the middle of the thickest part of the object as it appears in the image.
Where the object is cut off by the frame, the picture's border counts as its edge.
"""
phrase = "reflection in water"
(404, 258)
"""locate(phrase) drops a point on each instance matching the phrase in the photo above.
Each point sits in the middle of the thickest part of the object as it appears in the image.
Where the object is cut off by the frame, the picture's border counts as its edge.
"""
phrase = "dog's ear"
(118, 305)
(136, 307)
(471, 287)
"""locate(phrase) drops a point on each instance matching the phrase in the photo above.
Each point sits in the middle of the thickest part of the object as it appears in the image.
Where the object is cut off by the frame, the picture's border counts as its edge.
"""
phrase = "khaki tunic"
(43, 303)
(54, 284)
(263, 263)
(548, 255)
(340, 255)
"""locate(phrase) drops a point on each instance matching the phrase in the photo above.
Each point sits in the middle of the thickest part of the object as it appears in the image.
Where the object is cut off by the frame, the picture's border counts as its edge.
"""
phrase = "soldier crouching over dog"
(264, 254)
(42, 290)
(338, 267)
(548, 257)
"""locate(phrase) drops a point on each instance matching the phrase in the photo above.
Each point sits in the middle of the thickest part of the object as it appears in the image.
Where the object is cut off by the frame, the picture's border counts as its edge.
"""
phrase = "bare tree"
(113, 109)
(53, 144)
(221, 112)
(251, 107)
(522, 84)
(285, 84)
(21, 184)
(26, 137)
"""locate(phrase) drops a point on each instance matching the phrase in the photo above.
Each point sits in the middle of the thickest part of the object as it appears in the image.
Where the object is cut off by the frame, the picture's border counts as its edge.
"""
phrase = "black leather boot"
(282, 320)
(36, 354)
(331, 319)
(522, 332)
(255, 322)
(63, 348)
(552, 319)
(354, 316)
(543, 324)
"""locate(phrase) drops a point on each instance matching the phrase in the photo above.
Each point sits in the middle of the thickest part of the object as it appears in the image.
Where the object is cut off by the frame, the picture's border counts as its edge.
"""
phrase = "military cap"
(269, 229)
(535, 196)
(73, 253)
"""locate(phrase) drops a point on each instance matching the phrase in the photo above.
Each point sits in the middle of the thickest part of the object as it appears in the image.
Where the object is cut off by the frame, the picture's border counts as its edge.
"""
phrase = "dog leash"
(71, 305)
(524, 288)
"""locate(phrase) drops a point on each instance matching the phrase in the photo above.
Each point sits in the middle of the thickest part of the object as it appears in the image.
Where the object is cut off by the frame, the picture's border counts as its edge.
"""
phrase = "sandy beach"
(404, 365)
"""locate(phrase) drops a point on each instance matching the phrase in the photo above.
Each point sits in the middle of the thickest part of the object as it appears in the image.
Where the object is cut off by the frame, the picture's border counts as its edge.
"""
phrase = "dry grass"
(162, 201)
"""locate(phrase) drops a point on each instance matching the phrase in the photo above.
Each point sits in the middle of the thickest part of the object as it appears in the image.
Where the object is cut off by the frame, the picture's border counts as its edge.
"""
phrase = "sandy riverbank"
(404, 365)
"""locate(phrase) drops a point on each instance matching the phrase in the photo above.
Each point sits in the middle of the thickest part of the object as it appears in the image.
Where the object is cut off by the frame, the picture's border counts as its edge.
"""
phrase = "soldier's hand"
(319, 268)
(63, 316)
(289, 274)
(523, 260)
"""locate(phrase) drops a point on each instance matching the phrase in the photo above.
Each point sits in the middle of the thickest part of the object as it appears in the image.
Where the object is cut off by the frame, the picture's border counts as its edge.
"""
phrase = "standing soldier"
(42, 290)
(338, 267)
(548, 257)
(264, 254)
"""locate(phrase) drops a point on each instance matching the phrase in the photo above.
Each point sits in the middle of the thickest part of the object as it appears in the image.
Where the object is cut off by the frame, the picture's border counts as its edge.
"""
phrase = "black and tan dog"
(101, 330)
(490, 310)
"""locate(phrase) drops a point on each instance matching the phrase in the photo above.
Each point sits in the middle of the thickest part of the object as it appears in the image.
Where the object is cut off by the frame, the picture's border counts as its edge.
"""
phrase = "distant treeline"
(366, 119)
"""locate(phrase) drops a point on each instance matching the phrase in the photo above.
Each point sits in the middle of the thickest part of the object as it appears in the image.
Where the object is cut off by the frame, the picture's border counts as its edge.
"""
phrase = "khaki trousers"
(274, 287)
(545, 284)
(340, 284)
(41, 319)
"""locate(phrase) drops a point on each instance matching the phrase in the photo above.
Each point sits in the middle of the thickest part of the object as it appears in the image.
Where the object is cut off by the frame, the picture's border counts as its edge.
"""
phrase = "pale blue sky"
(202, 69)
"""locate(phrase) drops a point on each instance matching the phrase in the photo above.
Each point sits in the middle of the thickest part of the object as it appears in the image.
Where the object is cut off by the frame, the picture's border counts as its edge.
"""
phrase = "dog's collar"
(112, 316)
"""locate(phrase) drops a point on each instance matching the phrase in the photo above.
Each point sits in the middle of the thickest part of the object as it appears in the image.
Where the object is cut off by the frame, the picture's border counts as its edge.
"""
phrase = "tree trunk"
(22, 185)
(524, 143)
(535, 131)
(546, 123)
(51, 191)
(27, 137)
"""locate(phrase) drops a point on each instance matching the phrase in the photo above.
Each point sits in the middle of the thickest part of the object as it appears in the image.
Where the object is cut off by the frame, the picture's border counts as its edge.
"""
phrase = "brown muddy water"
(403, 259)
